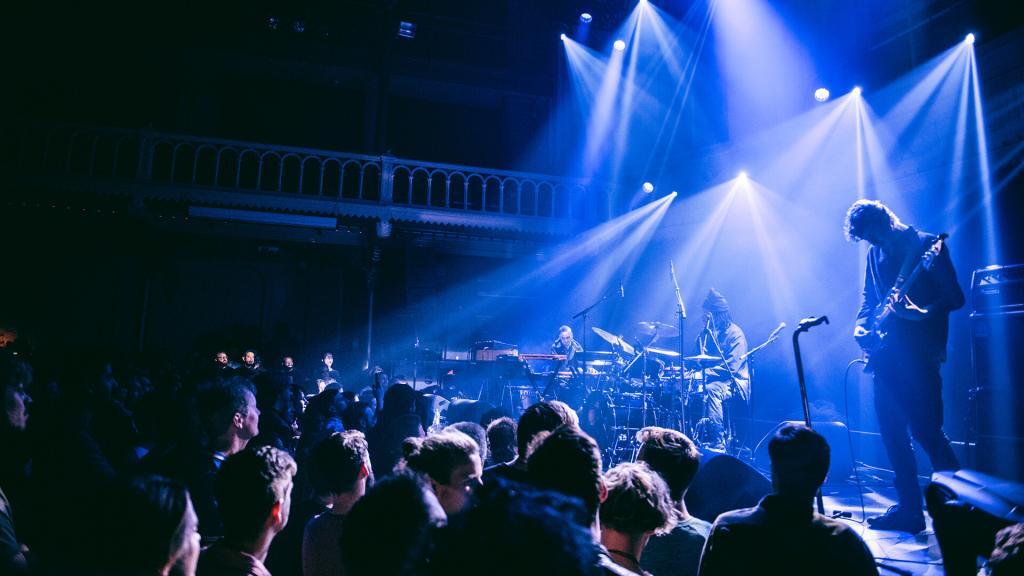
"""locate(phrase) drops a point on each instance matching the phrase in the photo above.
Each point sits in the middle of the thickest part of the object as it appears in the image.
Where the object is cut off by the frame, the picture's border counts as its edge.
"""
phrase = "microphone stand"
(584, 314)
(804, 326)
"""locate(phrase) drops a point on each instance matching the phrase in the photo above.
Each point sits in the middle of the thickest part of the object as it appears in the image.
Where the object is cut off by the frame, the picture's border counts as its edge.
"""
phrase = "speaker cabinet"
(997, 399)
(724, 483)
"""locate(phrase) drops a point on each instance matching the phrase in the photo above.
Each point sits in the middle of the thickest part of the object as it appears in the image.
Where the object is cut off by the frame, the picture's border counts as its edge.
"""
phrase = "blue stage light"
(562, 36)
(619, 45)
(586, 18)
(648, 187)
(742, 177)
(856, 90)
(821, 94)
(969, 38)
(406, 30)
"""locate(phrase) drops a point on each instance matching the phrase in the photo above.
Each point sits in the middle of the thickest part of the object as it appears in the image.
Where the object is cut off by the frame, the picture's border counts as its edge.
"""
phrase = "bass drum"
(597, 418)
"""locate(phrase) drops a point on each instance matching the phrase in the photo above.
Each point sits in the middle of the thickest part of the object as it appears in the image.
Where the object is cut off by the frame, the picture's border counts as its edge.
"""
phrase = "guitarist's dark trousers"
(908, 401)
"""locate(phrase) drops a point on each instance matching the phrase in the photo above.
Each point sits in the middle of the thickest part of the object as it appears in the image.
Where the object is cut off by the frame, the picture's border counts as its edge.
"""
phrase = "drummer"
(722, 338)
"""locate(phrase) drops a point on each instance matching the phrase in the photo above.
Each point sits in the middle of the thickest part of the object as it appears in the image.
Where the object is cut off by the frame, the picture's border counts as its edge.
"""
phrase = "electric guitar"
(874, 343)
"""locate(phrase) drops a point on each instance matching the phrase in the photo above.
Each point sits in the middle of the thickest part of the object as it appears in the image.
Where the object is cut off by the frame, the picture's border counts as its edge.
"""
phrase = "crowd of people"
(237, 470)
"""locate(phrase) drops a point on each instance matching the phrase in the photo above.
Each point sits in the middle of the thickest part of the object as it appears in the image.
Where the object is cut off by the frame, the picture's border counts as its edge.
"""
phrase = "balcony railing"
(302, 173)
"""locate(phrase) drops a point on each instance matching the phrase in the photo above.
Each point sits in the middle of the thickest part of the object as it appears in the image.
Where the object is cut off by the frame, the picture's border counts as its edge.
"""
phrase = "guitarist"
(908, 387)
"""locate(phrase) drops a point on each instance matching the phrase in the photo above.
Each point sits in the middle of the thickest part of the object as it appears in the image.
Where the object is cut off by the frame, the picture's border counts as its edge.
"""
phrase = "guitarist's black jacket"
(936, 289)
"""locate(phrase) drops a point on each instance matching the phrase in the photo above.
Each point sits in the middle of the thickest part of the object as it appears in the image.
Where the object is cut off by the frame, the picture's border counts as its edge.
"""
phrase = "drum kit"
(636, 384)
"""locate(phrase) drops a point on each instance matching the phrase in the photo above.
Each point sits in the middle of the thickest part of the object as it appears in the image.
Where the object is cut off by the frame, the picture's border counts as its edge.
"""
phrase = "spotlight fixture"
(299, 26)
(856, 90)
(821, 94)
(969, 38)
(586, 18)
(406, 30)
(562, 36)
(273, 23)
(619, 45)
(742, 177)
(648, 187)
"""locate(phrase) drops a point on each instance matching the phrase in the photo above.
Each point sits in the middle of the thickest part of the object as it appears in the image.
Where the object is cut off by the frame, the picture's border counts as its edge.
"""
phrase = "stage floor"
(896, 552)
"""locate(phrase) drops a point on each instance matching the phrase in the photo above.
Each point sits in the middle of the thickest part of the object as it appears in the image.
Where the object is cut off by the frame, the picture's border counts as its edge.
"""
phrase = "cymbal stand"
(585, 313)
(681, 322)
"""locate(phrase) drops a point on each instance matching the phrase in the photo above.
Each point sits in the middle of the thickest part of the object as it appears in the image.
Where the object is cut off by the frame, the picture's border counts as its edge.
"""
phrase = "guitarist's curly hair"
(865, 215)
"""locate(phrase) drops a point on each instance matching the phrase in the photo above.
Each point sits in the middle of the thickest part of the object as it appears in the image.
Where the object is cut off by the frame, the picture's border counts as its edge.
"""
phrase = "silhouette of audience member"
(397, 421)
(254, 490)
(339, 473)
(450, 461)
(1008, 556)
(358, 416)
(148, 527)
(543, 416)
(230, 419)
(568, 461)
(274, 401)
(783, 534)
(676, 459)
(68, 449)
(501, 441)
(636, 507)
(476, 432)
(388, 532)
(515, 530)
(14, 377)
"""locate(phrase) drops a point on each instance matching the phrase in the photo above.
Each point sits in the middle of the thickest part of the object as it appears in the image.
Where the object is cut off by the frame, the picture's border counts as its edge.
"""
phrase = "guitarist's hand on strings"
(907, 310)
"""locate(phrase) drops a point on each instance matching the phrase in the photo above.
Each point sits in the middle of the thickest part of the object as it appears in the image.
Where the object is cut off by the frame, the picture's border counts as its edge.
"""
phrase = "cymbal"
(655, 326)
(614, 340)
(704, 359)
(662, 351)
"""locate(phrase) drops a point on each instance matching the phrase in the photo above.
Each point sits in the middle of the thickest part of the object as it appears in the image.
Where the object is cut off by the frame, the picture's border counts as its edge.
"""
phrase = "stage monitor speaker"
(967, 509)
(835, 433)
(997, 400)
(724, 483)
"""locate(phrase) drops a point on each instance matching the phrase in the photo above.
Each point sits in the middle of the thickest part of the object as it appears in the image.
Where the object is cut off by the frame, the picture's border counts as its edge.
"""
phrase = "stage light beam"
(969, 39)
(562, 36)
(619, 45)
(856, 90)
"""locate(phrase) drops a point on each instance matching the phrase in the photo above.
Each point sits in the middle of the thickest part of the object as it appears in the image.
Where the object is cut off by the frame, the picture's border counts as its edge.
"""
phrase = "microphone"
(622, 290)
(808, 323)
(776, 331)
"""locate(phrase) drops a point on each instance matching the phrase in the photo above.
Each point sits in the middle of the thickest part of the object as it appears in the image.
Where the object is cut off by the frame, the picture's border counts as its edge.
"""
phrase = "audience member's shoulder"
(506, 472)
(753, 515)
(323, 524)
